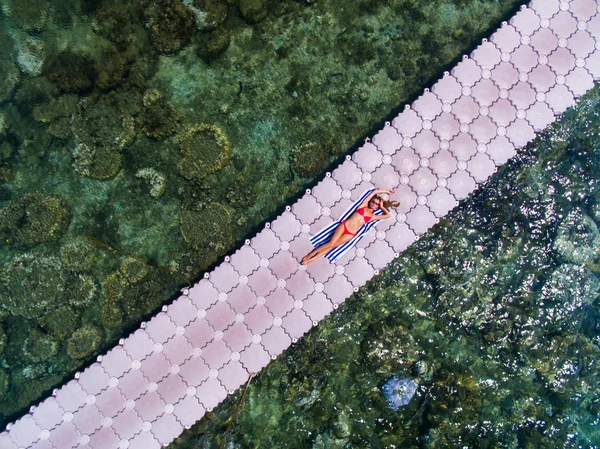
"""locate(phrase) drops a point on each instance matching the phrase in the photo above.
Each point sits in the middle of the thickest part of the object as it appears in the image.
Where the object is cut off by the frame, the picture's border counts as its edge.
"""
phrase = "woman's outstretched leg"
(338, 238)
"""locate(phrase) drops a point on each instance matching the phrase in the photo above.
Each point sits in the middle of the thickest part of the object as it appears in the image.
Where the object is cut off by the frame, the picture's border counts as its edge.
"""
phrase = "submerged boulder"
(205, 149)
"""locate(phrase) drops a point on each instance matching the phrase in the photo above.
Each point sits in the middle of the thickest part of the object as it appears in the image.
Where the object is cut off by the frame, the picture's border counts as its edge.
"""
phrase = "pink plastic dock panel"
(183, 362)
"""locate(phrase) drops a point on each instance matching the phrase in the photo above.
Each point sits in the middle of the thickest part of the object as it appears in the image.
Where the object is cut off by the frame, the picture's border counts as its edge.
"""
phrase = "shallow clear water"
(494, 313)
(141, 141)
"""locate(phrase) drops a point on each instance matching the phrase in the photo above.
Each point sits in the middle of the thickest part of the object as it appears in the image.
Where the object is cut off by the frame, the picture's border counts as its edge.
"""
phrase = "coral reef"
(310, 158)
(3, 338)
(82, 290)
(114, 21)
(70, 72)
(4, 383)
(31, 286)
(209, 14)
(32, 92)
(209, 231)
(170, 22)
(9, 79)
(133, 269)
(81, 255)
(103, 127)
(61, 322)
(205, 149)
(157, 181)
(212, 45)
(57, 113)
(84, 342)
(158, 120)
(254, 11)
(31, 15)
(33, 218)
(40, 346)
(112, 67)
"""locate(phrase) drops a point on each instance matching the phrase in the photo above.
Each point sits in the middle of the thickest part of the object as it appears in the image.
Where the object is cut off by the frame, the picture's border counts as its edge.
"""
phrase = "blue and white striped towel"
(325, 234)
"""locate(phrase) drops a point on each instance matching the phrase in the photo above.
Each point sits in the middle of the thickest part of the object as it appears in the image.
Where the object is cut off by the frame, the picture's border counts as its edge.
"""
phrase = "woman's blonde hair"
(387, 203)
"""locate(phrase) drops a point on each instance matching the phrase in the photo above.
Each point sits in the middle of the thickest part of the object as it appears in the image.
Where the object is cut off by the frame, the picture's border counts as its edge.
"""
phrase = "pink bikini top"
(361, 211)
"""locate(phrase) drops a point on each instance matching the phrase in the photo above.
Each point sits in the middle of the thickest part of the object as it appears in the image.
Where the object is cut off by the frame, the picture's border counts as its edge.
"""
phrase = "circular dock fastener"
(335, 307)
(143, 325)
(484, 111)
(355, 289)
(277, 321)
(124, 444)
(523, 77)
(360, 252)
(77, 375)
(298, 304)
(564, 6)
(113, 382)
(191, 391)
(147, 425)
(545, 23)
(525, 40)
(580, 62)
(446, 107)
(386, 159)
(401, 218)
(239, 317)
(404, 180)
(243, 279)
(44, 434)
(464, 128)
(319, 287)
(135, 365)
(268, 225)
(422, 200)
(582, 26)
(444, 144)
(201, 313)
(366, 177)
(521, 113)
(164, 308)
(196, 352)
(83, 439)
(543, 59)
(213, 373)
(486, 74)
(505, 56)
(305, 228)
(281, 283)
(286, 245)
(560, 79)
(501, 131)
(264, 263)
(222, 296)
(466, 91)
(107, 422)
(339, 269)
(180, 330)
(129, 404)
(218, 335)
(67, 417)
(424, 162)
(206, 275)
(325, 211)
(158, 347)
(226, 258)
(294, 340)
(260, 300)
(346, 194)
(503, 94)
(426, 124)
(174, 369)
(169, 408)
(308, 191)
(328, 174)
(407, 142)
(99, 358)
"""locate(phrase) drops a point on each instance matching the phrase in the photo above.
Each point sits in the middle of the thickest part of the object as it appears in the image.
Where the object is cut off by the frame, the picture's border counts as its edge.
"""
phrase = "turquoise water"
(142, 141)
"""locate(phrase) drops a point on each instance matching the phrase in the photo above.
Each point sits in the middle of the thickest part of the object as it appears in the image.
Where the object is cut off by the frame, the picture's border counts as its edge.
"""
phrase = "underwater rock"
(39, 346)
(33, 219)
(208, 229)
(157, 181)
(85, 342)
(98, 163)
(70, 72)
(9, 79)
(170, 22)
(211, 45)
(341, 425)
(253, 11)
(61, 322)
(31, 54)
(209, 14)
(158, 119)
(31, 286)
(30, 15)
(4, 383)
(205, 149)
(399, 392)
(309, 159)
